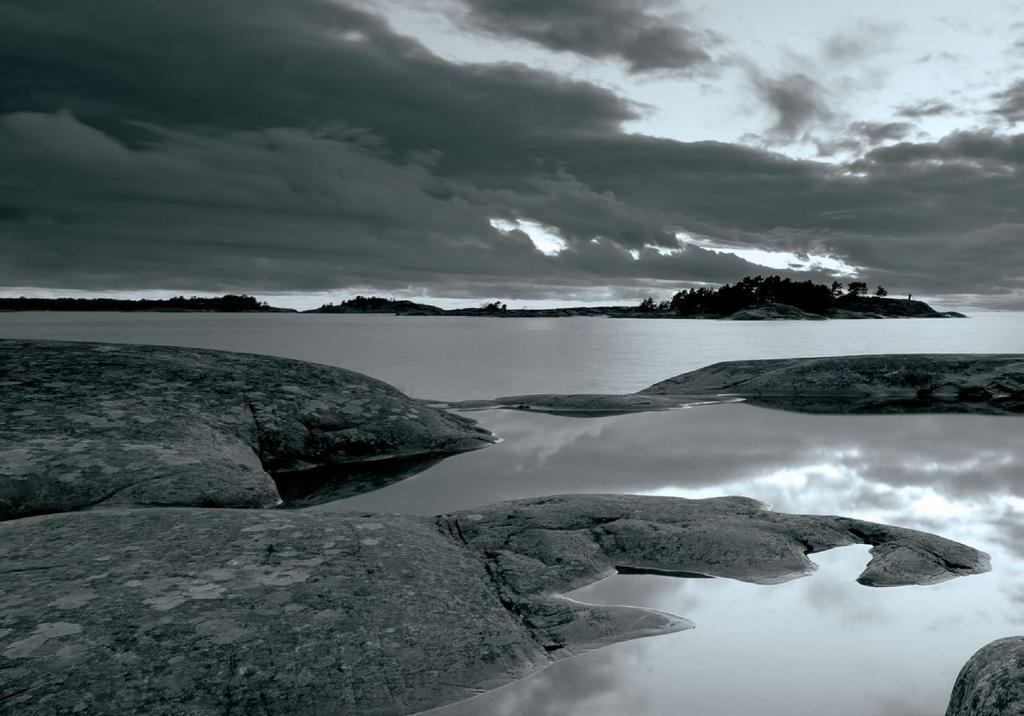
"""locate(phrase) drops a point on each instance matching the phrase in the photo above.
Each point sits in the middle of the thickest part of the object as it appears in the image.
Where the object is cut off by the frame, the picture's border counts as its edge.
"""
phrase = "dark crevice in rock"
(450, 527)
(123, 488)
(17, 692)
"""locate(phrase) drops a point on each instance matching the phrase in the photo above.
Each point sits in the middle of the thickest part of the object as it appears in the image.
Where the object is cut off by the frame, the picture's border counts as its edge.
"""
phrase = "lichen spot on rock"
(26, 648)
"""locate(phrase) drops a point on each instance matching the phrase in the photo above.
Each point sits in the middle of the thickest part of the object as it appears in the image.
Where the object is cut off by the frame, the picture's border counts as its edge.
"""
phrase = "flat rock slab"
(991, 682)
(196, 611)
(86, 424)
(982, 384)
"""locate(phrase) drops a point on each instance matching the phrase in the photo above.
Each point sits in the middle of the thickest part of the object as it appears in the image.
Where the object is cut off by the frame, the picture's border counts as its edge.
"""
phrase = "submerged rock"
(983, 384)
(86, 424)
(194, 611)
(991, 682)
(580, 405)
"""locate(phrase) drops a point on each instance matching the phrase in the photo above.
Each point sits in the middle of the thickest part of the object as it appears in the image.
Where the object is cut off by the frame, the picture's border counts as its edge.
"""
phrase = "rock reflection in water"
(328, 483)
(820, 645)
(817, 645)
(916, 467)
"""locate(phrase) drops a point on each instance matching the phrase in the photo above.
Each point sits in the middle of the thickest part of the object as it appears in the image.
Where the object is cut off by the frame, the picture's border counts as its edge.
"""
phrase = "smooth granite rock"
(775, 312)
(192, 611)
(982, 384)
(991, 682)
(86, 424)
(871, 383)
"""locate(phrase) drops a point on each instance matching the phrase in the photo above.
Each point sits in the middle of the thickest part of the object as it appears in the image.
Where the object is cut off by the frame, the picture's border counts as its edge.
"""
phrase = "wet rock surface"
(204, 611)
(88, 424)
(991, 682)
(577, 539)
(982, 384)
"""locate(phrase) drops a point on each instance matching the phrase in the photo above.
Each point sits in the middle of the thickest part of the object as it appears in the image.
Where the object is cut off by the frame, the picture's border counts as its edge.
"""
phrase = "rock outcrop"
(983, 384)
(87, 424)
(207, 611)
(991, 682)
(774, 312)
(864, 384)
(874, 307)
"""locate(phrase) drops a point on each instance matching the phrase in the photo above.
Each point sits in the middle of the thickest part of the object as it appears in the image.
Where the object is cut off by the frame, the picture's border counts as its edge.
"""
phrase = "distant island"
(760, 298)
(221, 304)
(751, 299)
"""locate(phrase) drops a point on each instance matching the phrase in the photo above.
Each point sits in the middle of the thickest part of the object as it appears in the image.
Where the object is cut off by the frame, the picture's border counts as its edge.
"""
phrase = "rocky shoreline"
(164, 602)
(211, 611)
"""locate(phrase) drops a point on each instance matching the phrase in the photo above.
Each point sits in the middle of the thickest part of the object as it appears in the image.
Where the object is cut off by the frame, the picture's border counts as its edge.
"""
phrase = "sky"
(584, 151)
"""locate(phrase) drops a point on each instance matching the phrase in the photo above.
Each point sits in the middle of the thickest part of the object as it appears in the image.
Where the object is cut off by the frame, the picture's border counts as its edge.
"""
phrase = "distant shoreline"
(864, 308)
(847, 307)
(177, 304)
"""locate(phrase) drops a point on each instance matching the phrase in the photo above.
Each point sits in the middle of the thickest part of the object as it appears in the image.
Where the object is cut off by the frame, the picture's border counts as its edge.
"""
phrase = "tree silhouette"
(856, 288)
(881, 292)
(756, 291)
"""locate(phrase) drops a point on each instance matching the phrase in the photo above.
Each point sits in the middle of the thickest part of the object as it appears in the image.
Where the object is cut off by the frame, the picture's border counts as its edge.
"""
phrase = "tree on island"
(880, 292)
(751, 292)
(856, 288)
(365, 304)
(230, 303)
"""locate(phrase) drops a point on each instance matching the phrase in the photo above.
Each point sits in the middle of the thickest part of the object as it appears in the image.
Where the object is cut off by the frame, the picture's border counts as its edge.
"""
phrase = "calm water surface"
(460, 358)
(819, 645)
(823, 645)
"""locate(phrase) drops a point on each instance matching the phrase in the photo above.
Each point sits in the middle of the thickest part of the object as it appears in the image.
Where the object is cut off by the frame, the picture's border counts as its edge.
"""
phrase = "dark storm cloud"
(294, 146)
(878, 132)
(926, 108)
(259, 63)
(798, 102)
(1011, 103)
(956, 149)
(287, 208)
(625, 30)
(859, 135)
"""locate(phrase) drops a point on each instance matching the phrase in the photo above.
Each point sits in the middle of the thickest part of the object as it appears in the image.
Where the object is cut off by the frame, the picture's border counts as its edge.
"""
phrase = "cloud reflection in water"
(816, 645)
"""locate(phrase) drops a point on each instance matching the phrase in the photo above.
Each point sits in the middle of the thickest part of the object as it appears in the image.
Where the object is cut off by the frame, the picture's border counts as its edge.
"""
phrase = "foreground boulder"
(983, 384)
(86, 424)
(991, 682)
(193, 611)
